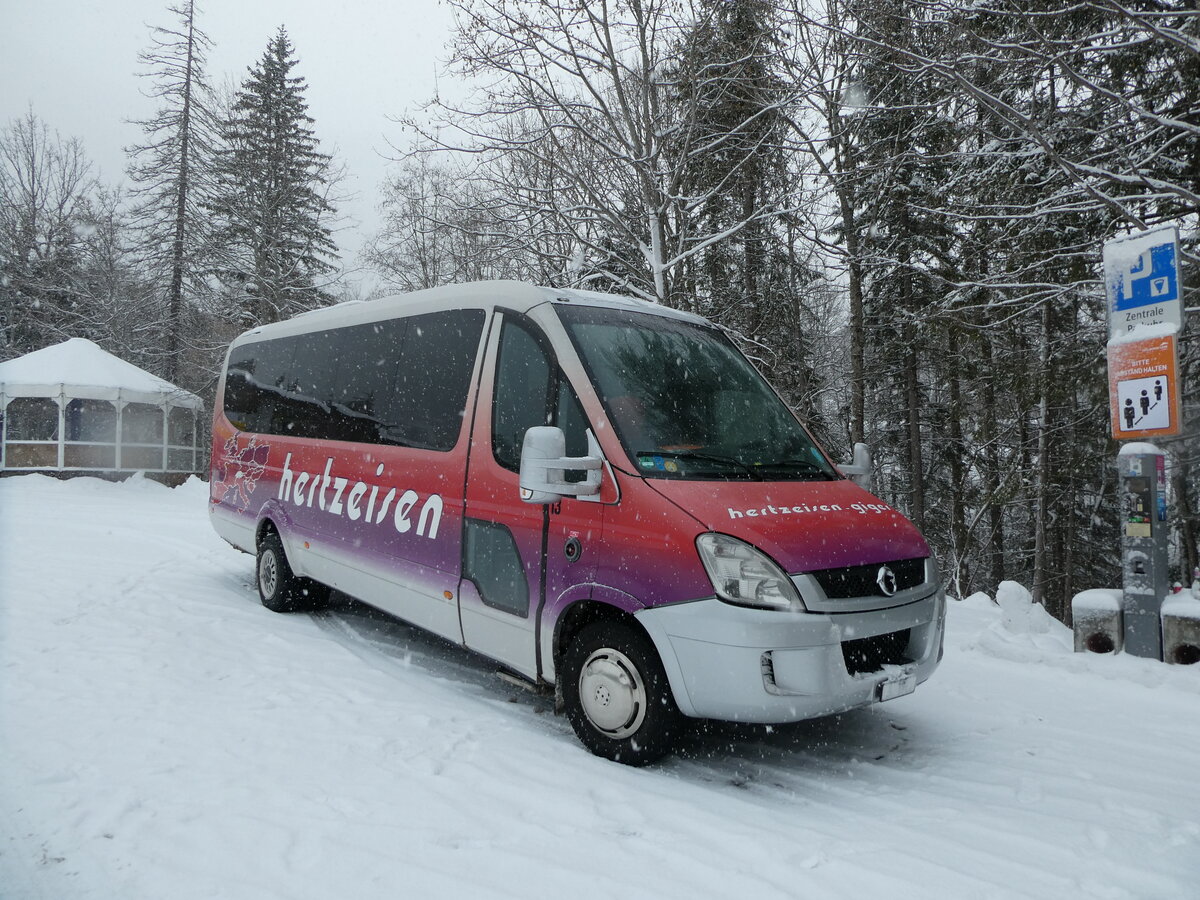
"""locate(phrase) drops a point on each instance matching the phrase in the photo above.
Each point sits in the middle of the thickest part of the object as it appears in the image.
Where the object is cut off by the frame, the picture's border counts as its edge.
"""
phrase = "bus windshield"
(686, 403)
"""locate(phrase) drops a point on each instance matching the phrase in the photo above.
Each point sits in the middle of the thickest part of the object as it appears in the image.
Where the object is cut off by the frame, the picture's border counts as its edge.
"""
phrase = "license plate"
(897, 686)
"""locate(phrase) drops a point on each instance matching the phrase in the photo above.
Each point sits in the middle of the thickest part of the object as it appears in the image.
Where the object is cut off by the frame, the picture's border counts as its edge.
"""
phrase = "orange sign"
(1143, 387)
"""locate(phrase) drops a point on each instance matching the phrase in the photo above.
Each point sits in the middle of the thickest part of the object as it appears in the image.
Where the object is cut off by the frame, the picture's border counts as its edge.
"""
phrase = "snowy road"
(162, 735)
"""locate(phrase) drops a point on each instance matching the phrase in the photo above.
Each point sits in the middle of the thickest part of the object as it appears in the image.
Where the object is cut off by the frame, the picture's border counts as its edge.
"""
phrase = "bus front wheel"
(616, 694)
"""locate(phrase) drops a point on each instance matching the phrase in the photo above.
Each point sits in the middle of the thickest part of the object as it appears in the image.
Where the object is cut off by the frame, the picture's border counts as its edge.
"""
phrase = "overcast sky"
(75, 62)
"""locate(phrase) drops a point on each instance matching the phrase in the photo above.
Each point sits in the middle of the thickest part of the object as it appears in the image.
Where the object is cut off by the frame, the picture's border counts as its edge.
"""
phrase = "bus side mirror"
(858, 470)
(544, 465)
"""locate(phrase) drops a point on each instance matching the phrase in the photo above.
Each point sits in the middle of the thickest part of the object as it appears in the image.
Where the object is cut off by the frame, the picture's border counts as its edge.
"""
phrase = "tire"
(279, 588)
(616, 694)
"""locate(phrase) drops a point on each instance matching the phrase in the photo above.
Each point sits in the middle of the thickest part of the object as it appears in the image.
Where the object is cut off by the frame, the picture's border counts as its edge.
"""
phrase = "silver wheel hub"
(612, 693)
(268, 573)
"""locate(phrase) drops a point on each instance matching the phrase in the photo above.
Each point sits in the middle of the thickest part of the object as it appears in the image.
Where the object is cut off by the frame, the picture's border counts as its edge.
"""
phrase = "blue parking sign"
(1141, 276)
(1152, 278)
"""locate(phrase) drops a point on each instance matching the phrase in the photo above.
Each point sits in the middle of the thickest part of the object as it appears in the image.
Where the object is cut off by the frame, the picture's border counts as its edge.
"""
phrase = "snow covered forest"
(896, 206)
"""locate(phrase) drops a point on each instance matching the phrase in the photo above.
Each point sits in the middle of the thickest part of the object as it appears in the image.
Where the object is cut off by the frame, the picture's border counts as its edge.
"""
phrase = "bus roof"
(519, 296)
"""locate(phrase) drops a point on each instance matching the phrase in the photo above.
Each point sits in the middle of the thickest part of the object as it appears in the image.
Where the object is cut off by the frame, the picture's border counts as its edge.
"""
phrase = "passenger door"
(515, 554)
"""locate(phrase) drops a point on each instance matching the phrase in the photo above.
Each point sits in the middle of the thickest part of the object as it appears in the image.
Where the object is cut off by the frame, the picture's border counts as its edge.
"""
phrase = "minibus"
(600, 494)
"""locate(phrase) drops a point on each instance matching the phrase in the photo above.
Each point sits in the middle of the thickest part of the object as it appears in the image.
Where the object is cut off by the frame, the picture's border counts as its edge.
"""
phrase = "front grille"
(860, 581)
(872, 654)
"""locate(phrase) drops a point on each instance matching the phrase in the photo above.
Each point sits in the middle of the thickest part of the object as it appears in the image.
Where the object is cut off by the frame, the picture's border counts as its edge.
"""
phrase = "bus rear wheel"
(278, 587)
(616, 694)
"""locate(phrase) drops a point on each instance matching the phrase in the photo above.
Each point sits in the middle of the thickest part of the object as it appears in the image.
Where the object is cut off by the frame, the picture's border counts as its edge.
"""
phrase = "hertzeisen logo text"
(805, 509)
(327, 489)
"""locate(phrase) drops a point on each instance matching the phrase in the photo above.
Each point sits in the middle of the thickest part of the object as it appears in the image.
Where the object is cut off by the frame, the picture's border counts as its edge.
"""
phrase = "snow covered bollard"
(1181, 629)
(1098, 623)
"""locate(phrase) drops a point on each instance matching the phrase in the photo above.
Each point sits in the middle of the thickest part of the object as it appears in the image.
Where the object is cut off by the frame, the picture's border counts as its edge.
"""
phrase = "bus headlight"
(743, 575)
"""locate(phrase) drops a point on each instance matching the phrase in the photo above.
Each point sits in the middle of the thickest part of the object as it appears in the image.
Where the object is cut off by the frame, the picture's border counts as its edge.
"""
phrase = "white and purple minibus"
(601, 494)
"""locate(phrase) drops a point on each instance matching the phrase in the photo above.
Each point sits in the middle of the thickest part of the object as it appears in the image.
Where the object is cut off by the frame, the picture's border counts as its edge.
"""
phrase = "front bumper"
(748, 665)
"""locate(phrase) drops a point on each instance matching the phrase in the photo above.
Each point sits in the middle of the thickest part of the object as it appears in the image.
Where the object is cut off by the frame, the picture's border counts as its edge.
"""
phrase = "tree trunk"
(991, 464)
(958, 525)
(1042, 506)
(912, 403)
(175, 295)
(857, 330)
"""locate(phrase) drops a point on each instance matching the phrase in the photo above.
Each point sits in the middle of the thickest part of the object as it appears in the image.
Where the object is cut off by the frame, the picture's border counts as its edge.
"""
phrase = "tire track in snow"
(397, 649)
(967, 803)
(816, 778)
(864, 787)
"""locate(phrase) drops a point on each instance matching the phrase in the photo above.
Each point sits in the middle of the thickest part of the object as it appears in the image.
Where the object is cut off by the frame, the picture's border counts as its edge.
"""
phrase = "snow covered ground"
(164, 736)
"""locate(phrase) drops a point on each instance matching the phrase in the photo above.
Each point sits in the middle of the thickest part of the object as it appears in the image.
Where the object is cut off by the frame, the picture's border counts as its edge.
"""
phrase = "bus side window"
(314, 367)
(434, 376)
(398, 381)
(522, 393)
(570, 418)
(365, 359)
(241, 390)
(277, 398)
(531, 391)
(256, 388)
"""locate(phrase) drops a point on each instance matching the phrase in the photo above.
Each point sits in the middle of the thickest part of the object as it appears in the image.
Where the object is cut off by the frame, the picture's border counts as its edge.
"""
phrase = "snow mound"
(978, 600)
(1020, 631)
(1021, 614)
(139, 482)
(1015, 628)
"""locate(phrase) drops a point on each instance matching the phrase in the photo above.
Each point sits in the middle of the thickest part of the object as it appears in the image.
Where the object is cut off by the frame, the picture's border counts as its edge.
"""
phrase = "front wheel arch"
(577, 617)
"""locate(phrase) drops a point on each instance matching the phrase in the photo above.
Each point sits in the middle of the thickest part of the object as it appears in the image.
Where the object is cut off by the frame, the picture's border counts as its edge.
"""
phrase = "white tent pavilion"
(76, 408)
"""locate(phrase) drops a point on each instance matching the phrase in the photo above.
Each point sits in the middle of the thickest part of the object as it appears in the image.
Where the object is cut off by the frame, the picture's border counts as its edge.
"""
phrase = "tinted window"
(274, 379)
(257, 386)
(570, 418)
(401, 381)
(522, 390)
(241, 392)
(531, 391)
(315, 364)
(434, 376)
(365, 380)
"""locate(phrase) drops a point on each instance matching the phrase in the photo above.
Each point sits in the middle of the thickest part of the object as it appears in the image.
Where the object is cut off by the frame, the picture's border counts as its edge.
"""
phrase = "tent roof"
(83, 369)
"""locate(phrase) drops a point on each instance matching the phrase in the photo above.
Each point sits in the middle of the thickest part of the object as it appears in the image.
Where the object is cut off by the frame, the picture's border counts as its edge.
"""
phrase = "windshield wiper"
(800, 465)
(701, 456)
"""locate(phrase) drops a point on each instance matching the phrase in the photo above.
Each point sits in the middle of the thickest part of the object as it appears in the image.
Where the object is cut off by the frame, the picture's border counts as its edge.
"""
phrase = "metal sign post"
(1145, 312)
